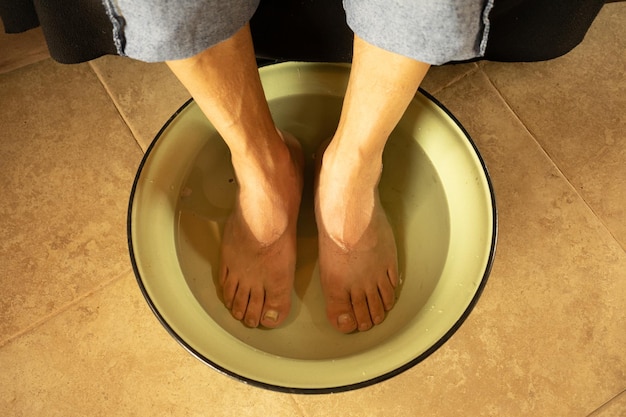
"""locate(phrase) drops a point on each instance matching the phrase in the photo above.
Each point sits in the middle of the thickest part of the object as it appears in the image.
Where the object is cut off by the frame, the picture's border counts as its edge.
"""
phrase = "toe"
(254, 308)
(387, 294)
(376, 307)
(361, 312)
(223, 273)
(340, 314)
(273, 317)
(240, 302)
(270, 318)
(392, 275)
(229, 289)
(276, 308)
(346, 323)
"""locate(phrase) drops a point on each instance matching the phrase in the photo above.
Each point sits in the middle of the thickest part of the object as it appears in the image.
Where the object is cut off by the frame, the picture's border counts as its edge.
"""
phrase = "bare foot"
(258, 253)
(357, 250)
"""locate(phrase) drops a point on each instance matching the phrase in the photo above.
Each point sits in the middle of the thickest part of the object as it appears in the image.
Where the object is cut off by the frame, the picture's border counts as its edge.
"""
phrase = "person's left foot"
(357, 250)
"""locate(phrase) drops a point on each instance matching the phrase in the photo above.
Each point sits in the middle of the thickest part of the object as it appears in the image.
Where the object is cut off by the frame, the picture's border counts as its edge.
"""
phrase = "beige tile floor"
(547, 338)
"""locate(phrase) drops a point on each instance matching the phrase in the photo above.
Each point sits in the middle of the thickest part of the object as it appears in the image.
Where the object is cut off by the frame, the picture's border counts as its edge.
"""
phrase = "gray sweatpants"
(432, 31)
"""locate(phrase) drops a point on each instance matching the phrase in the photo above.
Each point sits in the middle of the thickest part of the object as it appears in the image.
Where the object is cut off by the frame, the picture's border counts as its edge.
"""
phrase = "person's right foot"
(258, 252)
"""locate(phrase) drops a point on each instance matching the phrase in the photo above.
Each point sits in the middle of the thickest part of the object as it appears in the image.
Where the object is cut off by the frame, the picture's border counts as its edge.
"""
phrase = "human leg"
(259, 243)
(358, 261)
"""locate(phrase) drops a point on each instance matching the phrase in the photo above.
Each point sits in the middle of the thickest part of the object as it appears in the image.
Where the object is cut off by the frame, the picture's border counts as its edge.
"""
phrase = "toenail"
(238, 315)
(251, 323)
(378, 319)
(345, 319)
(271, 315)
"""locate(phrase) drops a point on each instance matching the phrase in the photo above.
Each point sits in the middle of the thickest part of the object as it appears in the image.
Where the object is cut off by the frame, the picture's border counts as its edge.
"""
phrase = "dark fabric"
(537, 30)
(75, 30)
(76, 37)
(311, 30)
(18, 15)
(302, 30)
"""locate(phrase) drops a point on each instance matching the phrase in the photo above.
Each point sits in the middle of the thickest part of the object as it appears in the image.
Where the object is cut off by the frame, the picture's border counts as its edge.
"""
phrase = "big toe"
(275, 309)
(341, 316)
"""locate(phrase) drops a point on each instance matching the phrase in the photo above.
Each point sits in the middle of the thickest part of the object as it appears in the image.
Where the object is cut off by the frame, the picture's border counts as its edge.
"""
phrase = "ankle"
(351, 166)
(262, 157)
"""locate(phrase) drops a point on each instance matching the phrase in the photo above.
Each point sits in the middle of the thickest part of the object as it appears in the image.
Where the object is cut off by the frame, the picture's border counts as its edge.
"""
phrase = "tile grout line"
(607, 403)
(455, 80)
(552, 161)
(5, 71)
(526, 128)
(62, 309)
(116, 105)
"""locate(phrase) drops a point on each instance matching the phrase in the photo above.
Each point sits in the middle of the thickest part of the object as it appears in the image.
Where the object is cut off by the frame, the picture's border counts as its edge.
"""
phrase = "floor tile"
(109, 356)
(614, 408)
(546, 338)
(20, 49)
(146, 94)
(68, 163)
(442, 76)
(576, 108)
